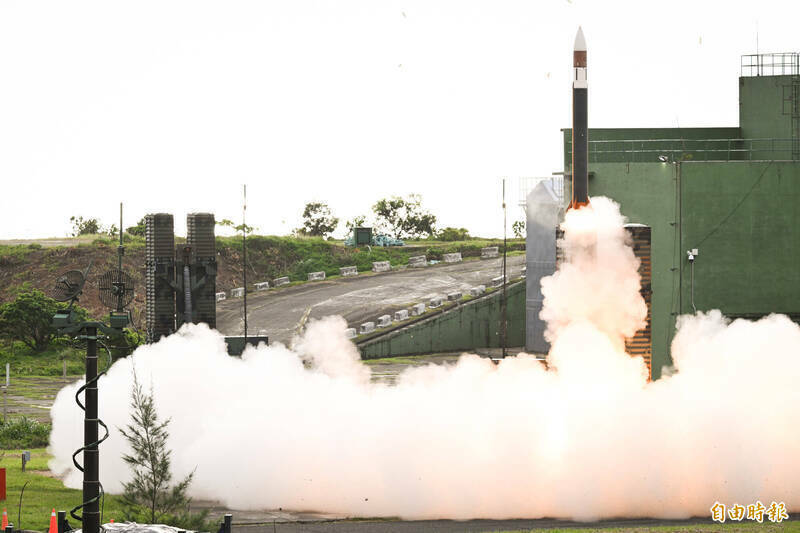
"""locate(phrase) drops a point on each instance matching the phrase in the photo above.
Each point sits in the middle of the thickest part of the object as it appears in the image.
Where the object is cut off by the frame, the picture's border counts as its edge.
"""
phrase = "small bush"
(23, 433)
(453, 234)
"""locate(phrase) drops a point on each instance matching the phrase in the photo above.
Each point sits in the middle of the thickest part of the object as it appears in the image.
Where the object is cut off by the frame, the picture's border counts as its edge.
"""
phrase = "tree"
(90, 226)
(404, 217)
(138, 229)
(149, 491)
(519, 229)
(318, 219)
(238, 227)
(453, 234)
(28, 318)
(355, 222)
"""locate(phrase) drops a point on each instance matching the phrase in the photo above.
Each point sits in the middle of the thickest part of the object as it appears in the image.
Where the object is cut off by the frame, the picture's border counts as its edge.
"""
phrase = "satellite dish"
(116, 289)
(68, 286)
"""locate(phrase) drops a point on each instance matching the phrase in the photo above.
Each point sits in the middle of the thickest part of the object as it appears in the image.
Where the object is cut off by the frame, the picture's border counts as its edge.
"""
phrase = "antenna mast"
(505, 320)
(244, 257)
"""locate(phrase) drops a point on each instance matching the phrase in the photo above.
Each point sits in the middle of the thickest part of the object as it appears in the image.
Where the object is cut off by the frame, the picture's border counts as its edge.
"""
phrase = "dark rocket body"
(580, 129)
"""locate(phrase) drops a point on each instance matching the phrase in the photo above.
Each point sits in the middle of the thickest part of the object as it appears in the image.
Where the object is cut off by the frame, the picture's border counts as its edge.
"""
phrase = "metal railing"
(670, 150)
(777, 64)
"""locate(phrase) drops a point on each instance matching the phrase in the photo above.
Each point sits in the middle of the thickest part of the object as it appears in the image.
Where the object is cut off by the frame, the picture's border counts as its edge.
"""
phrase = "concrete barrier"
(348, 271)
(401, 315)
(237, 293)
(452, 258)
(453, 296)
(496, 282)
(220, 296)
(417, 309)
(262, 285)
(435, 302)
(350, 333)
(381, 266)
(316, 276)
(280, 281)
(477, 291)
(417, 261)
(384, 320)
(367, 327)
(489, 252)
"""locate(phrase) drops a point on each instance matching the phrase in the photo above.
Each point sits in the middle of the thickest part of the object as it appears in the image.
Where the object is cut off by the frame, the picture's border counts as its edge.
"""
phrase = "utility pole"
(244, 257)
(91, 454)
(505, 319)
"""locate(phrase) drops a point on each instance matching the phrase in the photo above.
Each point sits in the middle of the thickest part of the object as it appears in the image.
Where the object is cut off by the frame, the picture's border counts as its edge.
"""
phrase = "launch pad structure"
(180, 280)
(719, 205)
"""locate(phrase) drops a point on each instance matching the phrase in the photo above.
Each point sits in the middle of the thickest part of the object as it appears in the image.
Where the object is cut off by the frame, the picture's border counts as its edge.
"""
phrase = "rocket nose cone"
(580, 42)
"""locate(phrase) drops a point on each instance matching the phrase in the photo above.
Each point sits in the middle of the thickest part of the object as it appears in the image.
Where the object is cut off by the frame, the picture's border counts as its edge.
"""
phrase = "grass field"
(42, 492)
(36, 378)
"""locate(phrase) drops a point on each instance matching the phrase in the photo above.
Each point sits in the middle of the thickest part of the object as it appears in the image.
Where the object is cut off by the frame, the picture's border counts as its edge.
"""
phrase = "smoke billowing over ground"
(588, 438)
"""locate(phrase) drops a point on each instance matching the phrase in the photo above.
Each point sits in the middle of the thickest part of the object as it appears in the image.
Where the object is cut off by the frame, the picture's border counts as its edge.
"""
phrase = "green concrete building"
(731, 193)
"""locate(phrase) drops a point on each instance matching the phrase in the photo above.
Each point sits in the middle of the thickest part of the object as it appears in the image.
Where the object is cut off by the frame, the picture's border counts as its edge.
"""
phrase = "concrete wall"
(744, 217)
(764, 113)
(474, 324)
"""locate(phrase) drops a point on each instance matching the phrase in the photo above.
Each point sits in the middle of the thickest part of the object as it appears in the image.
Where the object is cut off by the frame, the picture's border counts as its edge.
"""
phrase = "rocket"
(580, 130)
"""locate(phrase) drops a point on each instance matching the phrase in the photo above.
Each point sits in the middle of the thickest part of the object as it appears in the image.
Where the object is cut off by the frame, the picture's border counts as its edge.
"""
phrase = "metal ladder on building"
(791, 106)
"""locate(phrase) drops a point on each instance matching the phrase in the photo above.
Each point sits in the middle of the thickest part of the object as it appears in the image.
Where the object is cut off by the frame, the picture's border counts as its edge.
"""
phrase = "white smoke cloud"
(587, 438)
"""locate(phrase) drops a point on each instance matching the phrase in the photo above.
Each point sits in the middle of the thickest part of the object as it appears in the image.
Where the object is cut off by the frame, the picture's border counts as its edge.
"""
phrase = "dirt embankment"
(268, 257)
(39, 268)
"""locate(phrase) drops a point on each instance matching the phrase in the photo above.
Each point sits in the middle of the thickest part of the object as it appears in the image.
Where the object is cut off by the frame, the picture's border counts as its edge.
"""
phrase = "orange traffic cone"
(5, 520)
(53, 523)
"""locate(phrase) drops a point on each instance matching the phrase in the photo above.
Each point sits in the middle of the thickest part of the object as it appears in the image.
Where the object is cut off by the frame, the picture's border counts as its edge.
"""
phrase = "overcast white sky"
(171, 106)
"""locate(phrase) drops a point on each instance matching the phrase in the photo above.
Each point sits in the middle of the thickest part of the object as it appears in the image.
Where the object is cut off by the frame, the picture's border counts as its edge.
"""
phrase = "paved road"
(452, 526)
(55, 241)
(278, 312)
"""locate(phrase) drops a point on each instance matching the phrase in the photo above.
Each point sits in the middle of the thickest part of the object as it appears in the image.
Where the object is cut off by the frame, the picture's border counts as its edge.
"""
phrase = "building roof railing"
(649, 150)
(776, 64)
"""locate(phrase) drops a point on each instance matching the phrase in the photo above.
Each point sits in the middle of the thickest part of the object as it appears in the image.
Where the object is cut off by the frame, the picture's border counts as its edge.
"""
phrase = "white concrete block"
(496, 282)
(237, 293)
(280, 281)
(477, 291)
(381, 266)
(417, 261)
(452, 258)
(384, 320)
(262, 285)
(367, 327)
(453, 296)
(489, 252)
(220, 296)
(316, 276)
(401, 315)
(348, 271)
(435, 302)
(350, 333)
(417, 309)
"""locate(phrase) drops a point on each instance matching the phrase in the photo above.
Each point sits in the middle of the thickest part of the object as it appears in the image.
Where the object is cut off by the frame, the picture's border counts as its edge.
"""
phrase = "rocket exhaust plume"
(586, 438)
(580, 127)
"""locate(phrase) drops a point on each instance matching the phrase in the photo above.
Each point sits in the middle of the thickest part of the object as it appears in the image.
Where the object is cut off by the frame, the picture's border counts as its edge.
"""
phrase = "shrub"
(23, 433)
(453, 234)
